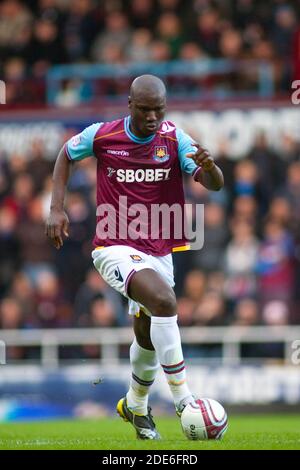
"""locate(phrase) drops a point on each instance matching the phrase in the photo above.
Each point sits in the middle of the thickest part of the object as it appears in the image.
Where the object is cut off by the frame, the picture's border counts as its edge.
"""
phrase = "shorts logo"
(161, 153)
(136, 258)
(118, 275)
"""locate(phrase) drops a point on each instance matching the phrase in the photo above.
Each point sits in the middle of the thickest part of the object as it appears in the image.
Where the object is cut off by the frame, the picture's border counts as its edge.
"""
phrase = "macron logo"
(119, 153)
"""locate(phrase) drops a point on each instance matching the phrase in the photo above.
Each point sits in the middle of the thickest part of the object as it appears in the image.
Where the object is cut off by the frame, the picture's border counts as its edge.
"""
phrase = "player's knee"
(164, 304)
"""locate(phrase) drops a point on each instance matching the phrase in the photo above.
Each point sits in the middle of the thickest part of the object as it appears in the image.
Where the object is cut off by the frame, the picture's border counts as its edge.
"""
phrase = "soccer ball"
(205, 420)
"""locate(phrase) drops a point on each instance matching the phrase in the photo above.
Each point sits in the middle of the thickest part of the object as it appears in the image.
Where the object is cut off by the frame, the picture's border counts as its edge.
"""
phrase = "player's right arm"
(77, 148)
(57, 223)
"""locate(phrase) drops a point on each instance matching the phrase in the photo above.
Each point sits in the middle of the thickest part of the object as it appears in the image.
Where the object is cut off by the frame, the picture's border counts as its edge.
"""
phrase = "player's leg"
(144, 363)
(149, 288)
(121, 266)
(143, 359)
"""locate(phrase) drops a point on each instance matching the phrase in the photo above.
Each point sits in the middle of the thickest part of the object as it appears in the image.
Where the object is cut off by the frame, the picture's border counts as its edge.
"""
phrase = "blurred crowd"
(37, 34)
(248, 272)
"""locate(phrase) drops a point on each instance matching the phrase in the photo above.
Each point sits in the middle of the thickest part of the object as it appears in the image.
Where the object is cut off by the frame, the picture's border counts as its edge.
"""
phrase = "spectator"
(38, 167)
(215, 237)
(215, 282)
(275, 313)
(191, 51)
(11, 318)
(73, 93)
(230, 44)
(245, 175)
(93, 286)
(210, 311)
(283, 30)
(47, 48)
(14, 18)
(80, 27)
(186, 311)
(281, 211)
(245, 208)
(82, 178)
(207, 32)
(225, 163)
(194, 286)
(169, 31)
(275, 265)
(50, 10)
(296, 55)
(101, 316)
(139, 47)
(22, 290)
(16, 166)
(73, 261)
(22, 194)
(11, 315)
(290, 149)
(271, 168)
(116, 32)
(36, 253)
(291, 190)
(112, 53)
(14, 70)
(9, 248)
(167, 6)
(240, 260)
(52, 310)
(264, 50)
(142, 14)
(246, 313)
(160, 51)
(102, 312)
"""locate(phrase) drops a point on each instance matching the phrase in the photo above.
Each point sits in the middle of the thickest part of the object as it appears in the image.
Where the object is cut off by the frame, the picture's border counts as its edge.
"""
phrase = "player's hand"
(202, 158)
(57, 226)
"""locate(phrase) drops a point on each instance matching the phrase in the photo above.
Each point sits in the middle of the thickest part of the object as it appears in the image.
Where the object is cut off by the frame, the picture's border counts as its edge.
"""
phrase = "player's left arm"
(197, 161)
(210, 175)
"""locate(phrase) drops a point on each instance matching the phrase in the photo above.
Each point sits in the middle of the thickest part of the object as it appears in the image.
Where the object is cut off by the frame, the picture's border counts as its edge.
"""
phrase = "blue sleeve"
(80, 146)
(185, 146)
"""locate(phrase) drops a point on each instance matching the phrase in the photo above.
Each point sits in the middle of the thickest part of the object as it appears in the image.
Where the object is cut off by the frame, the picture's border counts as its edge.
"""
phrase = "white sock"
(165, 337)
(144, 368)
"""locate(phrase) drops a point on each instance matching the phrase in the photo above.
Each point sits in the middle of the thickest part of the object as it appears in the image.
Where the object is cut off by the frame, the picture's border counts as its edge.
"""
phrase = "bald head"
(147, 85)
(147, 104)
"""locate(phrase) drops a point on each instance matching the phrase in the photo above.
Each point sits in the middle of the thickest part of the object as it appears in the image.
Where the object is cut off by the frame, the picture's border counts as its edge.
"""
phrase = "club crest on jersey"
(136, 258)
(161, 153)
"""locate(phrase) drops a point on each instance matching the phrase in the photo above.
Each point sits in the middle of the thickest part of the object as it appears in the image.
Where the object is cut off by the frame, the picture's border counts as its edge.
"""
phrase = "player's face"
(147, 114)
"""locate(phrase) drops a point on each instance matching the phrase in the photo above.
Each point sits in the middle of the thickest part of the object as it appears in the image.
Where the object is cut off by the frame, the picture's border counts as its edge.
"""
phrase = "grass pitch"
(245, 432)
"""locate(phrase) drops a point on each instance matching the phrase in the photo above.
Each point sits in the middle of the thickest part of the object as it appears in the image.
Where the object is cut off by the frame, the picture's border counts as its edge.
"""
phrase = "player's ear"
(129, 102)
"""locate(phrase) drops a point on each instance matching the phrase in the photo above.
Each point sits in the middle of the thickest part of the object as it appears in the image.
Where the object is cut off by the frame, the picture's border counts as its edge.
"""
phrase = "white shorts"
(117, 264)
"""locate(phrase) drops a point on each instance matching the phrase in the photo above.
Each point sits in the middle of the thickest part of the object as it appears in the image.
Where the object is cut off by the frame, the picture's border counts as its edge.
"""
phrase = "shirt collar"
(138, 140)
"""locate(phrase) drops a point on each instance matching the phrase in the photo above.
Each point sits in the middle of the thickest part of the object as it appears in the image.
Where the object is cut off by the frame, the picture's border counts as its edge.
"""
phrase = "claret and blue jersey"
(145, 170)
